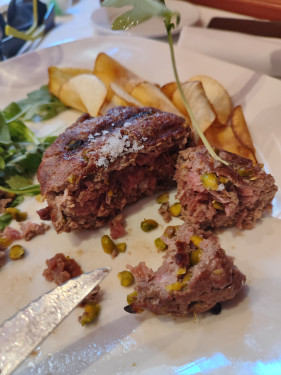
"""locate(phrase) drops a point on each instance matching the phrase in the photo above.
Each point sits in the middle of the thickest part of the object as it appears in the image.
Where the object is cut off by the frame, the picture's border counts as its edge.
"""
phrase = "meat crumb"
(117, 227)
(164, 211)
(61, 269)
(30, 229)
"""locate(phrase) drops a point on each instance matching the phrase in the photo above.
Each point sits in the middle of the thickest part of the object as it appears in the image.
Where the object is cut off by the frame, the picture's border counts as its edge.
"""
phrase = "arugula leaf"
(5, 220)
(20, 150)
(27, 190)
(21, 133)
(17, 181)
(40, 105)
(5, 136)
(12, 112)
(143, 10)
(16, 201)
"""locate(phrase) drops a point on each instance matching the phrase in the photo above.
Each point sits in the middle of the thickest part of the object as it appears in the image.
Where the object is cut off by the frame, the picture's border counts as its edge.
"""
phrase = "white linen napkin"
(256, 53)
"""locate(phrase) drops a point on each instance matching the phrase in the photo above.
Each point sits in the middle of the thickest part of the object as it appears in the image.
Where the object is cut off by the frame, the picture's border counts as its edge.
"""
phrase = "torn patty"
(99, 165)
(214, 195)
(195, 276)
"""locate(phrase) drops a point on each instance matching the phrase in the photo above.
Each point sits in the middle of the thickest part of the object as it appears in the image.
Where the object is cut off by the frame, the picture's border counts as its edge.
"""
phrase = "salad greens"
(142, 11)
(21, 150)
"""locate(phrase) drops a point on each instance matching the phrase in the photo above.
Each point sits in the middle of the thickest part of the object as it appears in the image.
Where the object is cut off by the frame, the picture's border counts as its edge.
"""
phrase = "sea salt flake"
(115, 146)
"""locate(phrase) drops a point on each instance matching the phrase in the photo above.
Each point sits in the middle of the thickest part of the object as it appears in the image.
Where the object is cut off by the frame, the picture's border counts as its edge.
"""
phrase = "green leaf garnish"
(143, 10)
(5, 220)
(27, 190)
(21, 150)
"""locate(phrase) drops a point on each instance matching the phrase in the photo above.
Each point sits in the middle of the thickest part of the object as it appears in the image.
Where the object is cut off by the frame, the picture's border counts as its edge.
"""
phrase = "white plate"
(103, 18)
(245, 337)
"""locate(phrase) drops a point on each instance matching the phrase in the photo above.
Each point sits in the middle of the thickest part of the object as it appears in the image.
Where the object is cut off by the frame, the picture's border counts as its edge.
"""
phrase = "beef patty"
(99, 165)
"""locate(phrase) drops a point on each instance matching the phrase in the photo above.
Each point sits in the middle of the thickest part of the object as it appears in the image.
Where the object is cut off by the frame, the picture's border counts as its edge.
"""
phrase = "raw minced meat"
(215, 195)
(196, 275)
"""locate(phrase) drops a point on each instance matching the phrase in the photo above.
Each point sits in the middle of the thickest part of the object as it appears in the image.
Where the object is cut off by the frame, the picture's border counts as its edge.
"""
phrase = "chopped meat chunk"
(164, 210)
(195, 275)
(61, 269)
(30, 229)
(117, 227)
(215, 195)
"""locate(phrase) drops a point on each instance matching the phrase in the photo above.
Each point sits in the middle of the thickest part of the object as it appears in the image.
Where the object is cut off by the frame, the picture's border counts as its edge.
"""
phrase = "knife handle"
(254, 27)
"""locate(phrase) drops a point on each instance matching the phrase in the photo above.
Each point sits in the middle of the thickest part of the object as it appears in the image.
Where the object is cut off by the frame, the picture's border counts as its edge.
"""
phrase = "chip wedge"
(89, 89)
(217, 96)
(168, 89)
(240, 128)
(58, 76)
(198, 102)
(109, 70)
(224, 138)
(151, 95)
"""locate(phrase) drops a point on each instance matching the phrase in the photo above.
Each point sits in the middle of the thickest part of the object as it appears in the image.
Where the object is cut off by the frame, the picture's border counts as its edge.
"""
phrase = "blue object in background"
(20, 16)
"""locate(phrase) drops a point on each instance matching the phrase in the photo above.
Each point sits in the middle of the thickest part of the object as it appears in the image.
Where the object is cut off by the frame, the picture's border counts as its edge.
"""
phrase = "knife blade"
(23, 332)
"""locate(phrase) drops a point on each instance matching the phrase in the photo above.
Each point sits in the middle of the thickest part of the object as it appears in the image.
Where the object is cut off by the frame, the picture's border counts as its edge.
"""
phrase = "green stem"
(27, 190)
(196, 128)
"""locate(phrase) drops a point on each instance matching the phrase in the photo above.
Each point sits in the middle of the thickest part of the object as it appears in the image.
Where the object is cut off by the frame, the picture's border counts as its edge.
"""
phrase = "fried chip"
(218, 97)
(224, 138)
(89, 88)
(151, 95)
(240, 128)
(127, 98)
(198, 102)
(168, 89)
(58, 76)
(109, 70)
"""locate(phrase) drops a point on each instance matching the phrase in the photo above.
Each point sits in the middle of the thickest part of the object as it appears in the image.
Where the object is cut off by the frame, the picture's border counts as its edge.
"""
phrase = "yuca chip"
(218, 97)
(112, 102)
(168, 89)
(240, 128)
(151, 95)
(91, 91)
(59, 76)
(109, 70)
(127, 98)
(198, 102)
(224, 138)
(70, 97)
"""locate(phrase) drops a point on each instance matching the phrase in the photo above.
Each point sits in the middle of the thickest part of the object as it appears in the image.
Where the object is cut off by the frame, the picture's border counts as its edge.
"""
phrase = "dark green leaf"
(40, 105)
(27, 190)
(5, 220)
(4, 130)
(12, 112)
(19, 199)
(2, 162)
(21, 133)
(17, 181)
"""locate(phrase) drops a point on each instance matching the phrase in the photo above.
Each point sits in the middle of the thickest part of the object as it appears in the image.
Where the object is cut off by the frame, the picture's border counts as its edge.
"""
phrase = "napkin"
(256, 53)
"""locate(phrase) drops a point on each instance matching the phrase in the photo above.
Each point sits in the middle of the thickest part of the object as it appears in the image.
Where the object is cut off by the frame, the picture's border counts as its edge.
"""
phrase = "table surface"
(69, 26)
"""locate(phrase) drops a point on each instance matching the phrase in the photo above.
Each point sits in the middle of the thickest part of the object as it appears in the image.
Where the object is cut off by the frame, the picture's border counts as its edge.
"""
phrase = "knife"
(23, 332)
